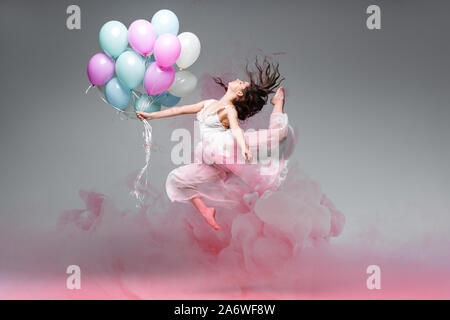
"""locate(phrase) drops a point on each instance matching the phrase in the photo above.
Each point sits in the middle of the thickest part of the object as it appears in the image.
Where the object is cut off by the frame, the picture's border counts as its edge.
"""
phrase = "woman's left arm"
(238, 133)
(172, 112)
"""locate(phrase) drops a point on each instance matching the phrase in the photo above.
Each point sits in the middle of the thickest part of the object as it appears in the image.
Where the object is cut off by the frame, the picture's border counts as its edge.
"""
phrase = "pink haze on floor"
(279, 250)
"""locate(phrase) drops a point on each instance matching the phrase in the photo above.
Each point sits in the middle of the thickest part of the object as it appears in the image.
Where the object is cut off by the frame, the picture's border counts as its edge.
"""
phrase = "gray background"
(371, 107)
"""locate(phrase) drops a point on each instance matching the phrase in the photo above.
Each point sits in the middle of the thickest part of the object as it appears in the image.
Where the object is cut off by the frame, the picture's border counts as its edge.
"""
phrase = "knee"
(173, 185)
(172, 179)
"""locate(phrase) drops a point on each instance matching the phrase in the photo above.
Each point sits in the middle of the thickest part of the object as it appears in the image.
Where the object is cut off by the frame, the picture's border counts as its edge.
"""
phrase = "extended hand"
(247, 155)
(143, 115)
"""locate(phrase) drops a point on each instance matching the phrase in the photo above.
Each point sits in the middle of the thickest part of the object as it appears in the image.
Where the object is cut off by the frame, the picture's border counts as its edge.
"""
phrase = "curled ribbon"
(139, 186)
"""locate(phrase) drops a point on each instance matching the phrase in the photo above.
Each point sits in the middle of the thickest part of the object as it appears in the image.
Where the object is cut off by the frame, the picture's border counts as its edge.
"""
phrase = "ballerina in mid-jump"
(219, 129)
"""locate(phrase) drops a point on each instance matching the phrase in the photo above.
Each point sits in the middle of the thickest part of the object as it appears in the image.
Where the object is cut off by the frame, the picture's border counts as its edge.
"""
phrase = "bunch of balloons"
(141, 68)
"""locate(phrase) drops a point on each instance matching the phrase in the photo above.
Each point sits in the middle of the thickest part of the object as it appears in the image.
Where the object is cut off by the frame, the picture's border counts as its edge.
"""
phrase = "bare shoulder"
(231, 110)
(232, 115)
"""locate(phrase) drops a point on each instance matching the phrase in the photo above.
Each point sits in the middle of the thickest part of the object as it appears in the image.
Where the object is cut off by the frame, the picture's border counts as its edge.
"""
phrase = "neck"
(227, 98)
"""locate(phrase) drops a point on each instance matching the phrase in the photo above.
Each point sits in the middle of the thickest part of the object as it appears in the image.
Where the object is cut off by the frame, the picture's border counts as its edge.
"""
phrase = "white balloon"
(190, 49)
(185, 83)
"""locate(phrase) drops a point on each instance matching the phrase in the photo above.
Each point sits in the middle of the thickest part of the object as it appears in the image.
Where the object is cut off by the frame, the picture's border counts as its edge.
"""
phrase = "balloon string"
(157, 99)
(118, 110)
(139, 185)
(103, 99)
(143, 174)
(135, 94)
(88, 89)
(126, 112)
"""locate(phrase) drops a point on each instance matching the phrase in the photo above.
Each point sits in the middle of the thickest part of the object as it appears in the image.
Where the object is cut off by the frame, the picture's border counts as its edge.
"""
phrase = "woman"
(215, 177)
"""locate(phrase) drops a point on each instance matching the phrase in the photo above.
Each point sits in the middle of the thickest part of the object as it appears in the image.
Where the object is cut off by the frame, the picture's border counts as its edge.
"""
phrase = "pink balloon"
(167, 49)
(100, 69)
(142, 36)
(158, 79)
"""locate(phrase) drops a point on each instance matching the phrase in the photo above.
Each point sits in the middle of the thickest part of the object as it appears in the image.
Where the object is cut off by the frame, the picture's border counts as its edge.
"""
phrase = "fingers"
(248, 156)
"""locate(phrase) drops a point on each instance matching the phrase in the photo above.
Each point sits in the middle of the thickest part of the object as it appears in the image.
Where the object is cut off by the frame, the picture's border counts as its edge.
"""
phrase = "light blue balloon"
(167, 99)
(113, 38)
(144, 104)
(117, 94)
(130, 69)
(165, 21)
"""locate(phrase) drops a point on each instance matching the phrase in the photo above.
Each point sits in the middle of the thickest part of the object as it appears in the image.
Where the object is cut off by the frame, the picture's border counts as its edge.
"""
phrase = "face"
(237, 86)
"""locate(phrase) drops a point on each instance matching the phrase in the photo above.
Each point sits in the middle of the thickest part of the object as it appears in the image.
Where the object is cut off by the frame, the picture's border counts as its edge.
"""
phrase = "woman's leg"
(278, 101)
(207, 213)
(269, 139)
(189, 182)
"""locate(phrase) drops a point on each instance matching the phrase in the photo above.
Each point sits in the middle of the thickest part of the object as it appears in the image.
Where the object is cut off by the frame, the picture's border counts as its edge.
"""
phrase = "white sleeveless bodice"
(215, 138)
(210, 123)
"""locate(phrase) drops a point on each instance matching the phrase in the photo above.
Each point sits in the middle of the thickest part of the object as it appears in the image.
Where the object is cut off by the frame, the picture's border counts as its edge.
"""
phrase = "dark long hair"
(263, 82)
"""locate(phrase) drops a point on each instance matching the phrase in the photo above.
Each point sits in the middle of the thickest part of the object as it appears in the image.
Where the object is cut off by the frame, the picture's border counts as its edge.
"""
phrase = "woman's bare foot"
(278, 97)
(209, 215)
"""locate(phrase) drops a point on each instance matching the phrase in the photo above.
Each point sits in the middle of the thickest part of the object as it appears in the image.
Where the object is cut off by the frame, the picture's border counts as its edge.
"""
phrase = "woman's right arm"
(238, 134)
(172, 112)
